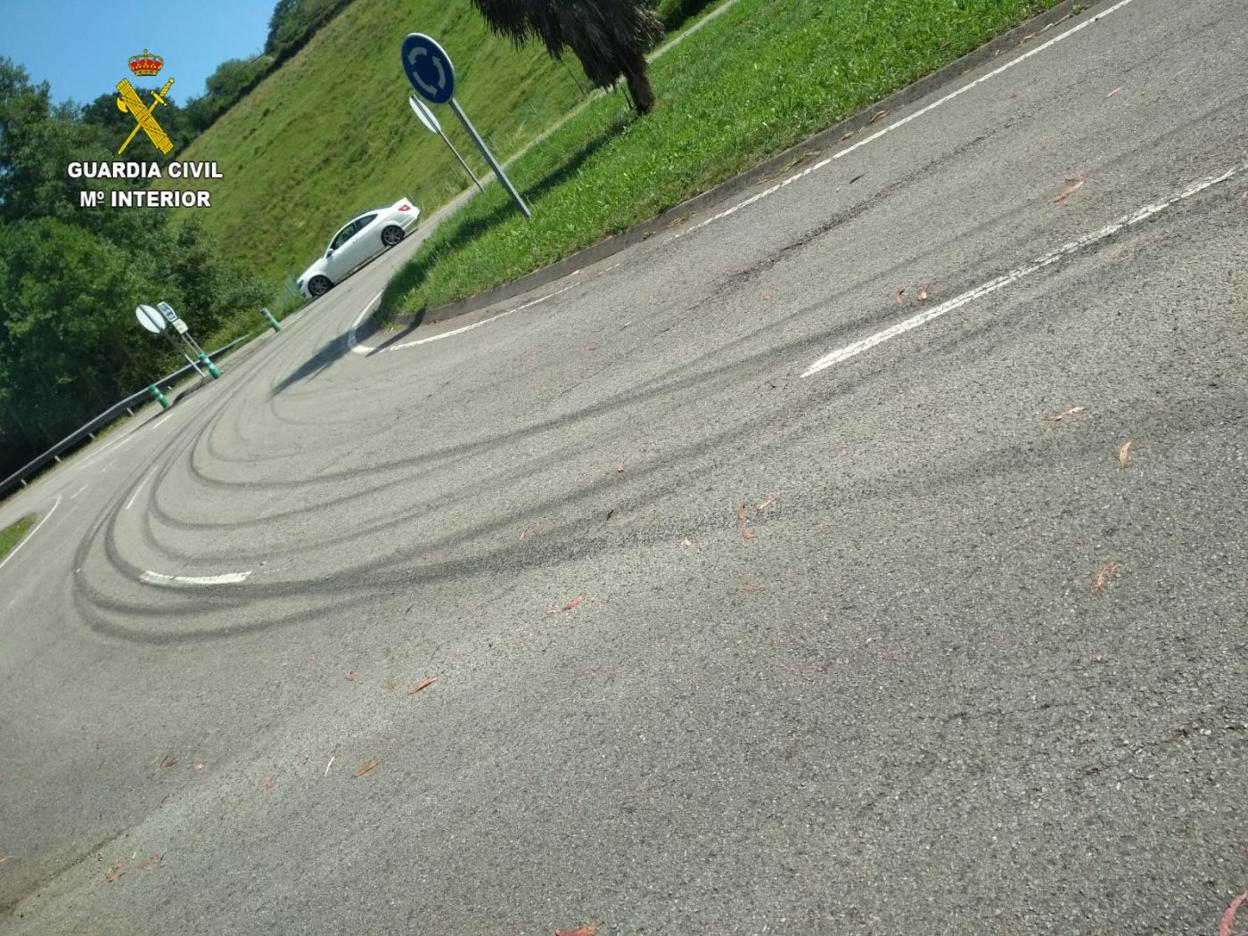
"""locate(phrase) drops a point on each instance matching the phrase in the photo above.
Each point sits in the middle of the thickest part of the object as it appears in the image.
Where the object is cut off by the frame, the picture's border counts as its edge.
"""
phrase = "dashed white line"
(766, 193)
(130, 503)
(179, 581)
(31, 535)
(74, 496)
(1143, 214)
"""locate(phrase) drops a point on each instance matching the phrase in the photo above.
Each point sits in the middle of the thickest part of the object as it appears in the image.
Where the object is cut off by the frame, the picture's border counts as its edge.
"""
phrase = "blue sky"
(80, 47)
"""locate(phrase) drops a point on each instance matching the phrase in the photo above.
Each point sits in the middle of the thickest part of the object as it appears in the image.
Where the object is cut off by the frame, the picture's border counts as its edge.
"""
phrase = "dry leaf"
(1112, 93)
(268, 783)
(1067, 412)
(332, 758)
(583, 931)
(199, 767)
(1124, 452)
(116, 871)
(422, 685)
(1106, 573)
(751, 589)
(765, 504)
(620, 468)
(741, 512)
(1226, 925)
(7, 858)
(524, 534)
(747, 534)
(877, 116)
(1074, 185)
(923, 294)
(350, 677)
(427, 557)
(169, 760)
(901, 296)
(574, 603)
(371, 765)
(148, 862)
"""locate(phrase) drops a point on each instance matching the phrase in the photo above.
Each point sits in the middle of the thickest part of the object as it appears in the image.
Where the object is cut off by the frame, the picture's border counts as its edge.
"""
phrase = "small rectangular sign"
(179, 326)
(167, 311)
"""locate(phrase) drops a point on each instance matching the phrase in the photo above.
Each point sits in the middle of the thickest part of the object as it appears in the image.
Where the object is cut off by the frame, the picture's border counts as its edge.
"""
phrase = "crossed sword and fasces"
(130, 101)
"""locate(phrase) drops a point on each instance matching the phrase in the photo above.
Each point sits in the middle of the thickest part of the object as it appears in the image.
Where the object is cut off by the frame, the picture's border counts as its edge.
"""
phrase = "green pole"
(160, 397)
(207, 362)
(268, 317)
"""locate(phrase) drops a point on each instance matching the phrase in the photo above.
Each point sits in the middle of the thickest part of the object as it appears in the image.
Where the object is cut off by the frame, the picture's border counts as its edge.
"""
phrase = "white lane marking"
(31, 535)
(902, 122)
(178, 581)
(79, 491)
(130, 503)
(352, 342)
(1143, 214)
(365, 349)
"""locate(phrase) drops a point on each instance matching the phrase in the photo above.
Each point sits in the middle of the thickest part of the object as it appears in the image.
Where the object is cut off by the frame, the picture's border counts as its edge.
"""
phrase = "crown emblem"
(146, 64)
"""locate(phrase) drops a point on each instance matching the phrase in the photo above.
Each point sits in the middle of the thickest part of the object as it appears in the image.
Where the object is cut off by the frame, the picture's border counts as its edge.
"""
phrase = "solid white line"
(902, 122)
(1148, 211)
(365, 349)
(176, 581)
(31, 535)
(130, 503)
(352, 342)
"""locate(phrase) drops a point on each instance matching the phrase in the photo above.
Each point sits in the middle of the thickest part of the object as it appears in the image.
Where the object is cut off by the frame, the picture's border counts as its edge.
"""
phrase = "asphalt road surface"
(764, 589)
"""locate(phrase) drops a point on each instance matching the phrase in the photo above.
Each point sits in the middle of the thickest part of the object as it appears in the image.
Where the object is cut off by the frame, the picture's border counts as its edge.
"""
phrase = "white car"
(357, 242)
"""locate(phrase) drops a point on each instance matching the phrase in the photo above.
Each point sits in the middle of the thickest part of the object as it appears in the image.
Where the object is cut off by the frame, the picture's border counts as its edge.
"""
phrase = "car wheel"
(319, 286)
(391, 235)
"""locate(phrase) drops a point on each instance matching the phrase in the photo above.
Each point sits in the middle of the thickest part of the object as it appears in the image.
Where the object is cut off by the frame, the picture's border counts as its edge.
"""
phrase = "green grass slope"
(330, 134)
(760, 78)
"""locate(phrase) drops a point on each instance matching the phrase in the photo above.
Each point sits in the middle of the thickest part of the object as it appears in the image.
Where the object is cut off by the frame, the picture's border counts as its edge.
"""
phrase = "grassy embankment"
(760, 78)
(330, 134)
(10, 536)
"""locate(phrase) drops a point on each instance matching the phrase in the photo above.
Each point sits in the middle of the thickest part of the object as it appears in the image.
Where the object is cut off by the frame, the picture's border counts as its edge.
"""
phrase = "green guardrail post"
(212, 368)
(160, 397)
(268, 317)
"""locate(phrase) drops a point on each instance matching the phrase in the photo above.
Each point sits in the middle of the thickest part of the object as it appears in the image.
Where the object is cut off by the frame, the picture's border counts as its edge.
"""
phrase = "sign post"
(155, 323)
(180, 327)
(429, 69)
(430, 120)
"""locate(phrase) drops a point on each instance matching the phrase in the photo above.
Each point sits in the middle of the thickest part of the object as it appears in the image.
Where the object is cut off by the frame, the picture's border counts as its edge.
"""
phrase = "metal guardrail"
(88, 430)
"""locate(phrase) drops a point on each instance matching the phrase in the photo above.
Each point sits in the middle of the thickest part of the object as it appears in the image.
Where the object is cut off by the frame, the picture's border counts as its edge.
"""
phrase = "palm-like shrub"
(610, 37)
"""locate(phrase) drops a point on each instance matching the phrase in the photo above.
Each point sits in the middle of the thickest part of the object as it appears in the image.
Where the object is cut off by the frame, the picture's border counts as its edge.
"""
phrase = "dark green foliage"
(70, 278)
(610, 37)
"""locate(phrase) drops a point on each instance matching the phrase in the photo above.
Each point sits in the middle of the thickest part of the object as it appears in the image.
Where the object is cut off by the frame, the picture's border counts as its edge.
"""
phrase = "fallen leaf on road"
(747, 534)
(844, 452)
(268, 783)
(620, 468)
(583, 931)
(877, 116)
(923, 294)
(422, 685)
(199, 767)
(371, 765)
(7, 858)
(524, 534)
(1106, 573)
(1074, 185)
(116, 871)
(1067, 412)
(1228, 917)
(350, 677)
(1124, 452)
(751, 589)
(427, 556)
(765, 504)
(574, 603)
(741, 512)
(169, 760)
(332, 758)
(148, 862)
(901, 296)
(1112, 93)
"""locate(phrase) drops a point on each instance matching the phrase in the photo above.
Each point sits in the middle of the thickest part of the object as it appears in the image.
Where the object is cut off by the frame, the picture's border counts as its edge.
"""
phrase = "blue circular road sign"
(428, 68)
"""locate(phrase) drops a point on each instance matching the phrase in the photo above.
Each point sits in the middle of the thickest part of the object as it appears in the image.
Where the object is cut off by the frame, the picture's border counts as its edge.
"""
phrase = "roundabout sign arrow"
(428, 68)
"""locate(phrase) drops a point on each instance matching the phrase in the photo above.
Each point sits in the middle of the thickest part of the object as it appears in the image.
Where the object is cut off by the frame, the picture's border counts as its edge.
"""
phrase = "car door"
(335, 259)
(359, 246)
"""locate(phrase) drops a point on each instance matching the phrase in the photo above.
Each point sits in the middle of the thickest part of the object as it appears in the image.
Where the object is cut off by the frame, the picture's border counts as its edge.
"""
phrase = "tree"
(610, 37)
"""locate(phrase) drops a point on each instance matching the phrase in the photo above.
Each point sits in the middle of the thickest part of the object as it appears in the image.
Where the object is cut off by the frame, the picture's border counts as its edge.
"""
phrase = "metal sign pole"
(489, 158)
(462, 161)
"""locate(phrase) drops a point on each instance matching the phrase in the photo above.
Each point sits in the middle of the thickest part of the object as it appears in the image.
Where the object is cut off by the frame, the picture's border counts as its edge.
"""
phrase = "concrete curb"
(770, 168)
